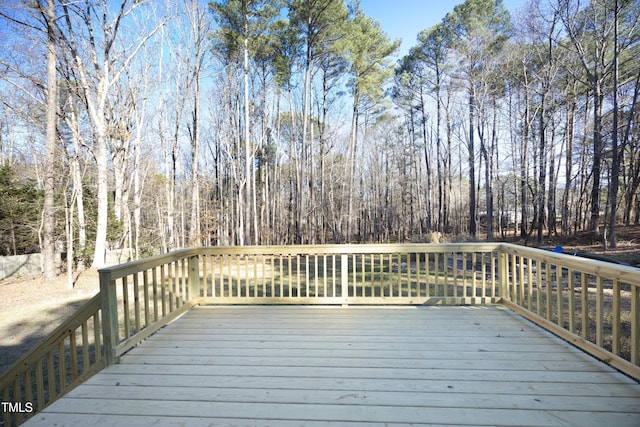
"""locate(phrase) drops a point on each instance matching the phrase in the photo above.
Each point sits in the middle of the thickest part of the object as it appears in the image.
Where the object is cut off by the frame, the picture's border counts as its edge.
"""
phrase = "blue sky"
(404, 19)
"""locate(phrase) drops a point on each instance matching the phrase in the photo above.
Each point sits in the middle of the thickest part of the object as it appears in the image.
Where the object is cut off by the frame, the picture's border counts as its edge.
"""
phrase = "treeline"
(295, 121)
(543, 108)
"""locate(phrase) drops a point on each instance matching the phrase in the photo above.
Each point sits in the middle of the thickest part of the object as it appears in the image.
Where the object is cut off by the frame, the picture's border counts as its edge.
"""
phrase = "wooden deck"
(285, 366)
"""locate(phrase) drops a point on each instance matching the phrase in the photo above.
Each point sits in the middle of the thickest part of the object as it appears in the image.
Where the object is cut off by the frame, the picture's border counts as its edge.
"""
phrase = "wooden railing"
(350, 274)
(140, 297)
(592, 304)
(65, 359)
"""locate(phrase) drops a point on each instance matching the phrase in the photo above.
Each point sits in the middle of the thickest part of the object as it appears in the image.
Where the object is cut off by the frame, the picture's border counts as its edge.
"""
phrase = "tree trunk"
(247, 144)
(472, 167)
(594, 223)
(48, 214)
(616, 153)
(194, 223)
(568, 169)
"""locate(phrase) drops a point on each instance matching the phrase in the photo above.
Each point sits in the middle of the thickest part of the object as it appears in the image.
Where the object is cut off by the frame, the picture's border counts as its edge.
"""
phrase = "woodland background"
(151, 126)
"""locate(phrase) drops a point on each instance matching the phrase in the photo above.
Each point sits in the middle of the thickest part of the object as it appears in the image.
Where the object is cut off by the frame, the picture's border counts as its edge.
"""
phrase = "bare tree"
(92, 32)
(48, 214)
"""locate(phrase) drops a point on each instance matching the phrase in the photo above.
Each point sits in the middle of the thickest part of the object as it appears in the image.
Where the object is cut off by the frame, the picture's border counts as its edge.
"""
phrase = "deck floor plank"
(322, 366)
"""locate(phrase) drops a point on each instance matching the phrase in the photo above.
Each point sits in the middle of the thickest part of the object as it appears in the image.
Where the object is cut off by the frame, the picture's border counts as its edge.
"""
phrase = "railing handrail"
(128, 268)
(624, 273)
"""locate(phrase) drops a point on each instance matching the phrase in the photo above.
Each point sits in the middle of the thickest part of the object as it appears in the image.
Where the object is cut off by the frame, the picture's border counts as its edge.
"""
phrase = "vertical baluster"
(436, 258)
(73, 355)
(28, 387)
(483, 272)
(333, 278)
(183, 280)
(427, 275)
(363, 270)
(147, 303)
(170, 285)
(264, 279)
(514, 278)
(62, 368)
(175, 281)
(324, 276)
(205, 279)
(572, 301)
(51, 378)
(615, 318)
(344, 275)
(97, 337)
(382, 276)
(136, 302)
(494, 281)
(599, 312)
(221, 259)
(398, 281)
(17, 395)
(273, 276)
(290, 275)
(354, 271)
(298, 284)
(246, 276)
(281, 276)
(163, 290)
(585, 305)
(229, 277)
(520, 282)
(85, 346)
(303, 275)
(549, 288)
(538, 287)
(39, 385)
(6, 416)
(315, 263)
(419, 274)
(214, 274)
(125, 307)
(154, 281)
(474, 281)
(255, 280)
(454, 272)
(560, 295)
(529, 283)
(635, 324)
(464, 289)
(409, 287)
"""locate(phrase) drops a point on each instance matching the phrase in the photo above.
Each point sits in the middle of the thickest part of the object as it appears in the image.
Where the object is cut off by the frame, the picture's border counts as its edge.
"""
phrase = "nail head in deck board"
(314, 365)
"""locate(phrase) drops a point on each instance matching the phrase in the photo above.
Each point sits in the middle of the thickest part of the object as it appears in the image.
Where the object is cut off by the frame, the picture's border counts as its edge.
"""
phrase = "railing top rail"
(623, 273)
(132, 267)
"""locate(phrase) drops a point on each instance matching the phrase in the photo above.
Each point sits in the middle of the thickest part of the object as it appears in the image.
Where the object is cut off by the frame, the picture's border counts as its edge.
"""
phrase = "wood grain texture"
(291, 365)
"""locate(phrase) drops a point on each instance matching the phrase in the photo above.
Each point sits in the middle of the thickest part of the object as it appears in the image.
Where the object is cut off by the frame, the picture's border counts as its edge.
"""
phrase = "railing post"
(503, 272)
(194, 276)
(109, 302)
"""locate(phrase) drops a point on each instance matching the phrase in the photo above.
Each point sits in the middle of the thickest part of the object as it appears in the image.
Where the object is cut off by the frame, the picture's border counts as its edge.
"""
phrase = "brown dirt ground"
(32, 308)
